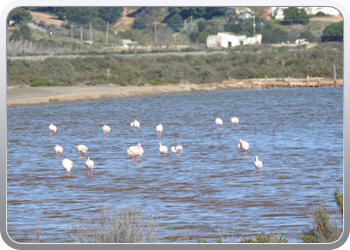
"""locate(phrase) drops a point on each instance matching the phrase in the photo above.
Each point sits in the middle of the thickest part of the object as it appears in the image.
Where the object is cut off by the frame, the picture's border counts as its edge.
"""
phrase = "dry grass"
(48, 19)
(116, 225)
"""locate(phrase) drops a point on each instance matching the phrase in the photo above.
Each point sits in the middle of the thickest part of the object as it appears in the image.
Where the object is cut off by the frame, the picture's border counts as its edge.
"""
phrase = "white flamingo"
(140, 150)
(133, 152)
(89, 164)
(53, 129)
(106, 129)
(177, 150)
(136, 125)
(243, 145)
(159, 129)
(163, 150)
(67, 165)
(58, 150)
(235, 122)
(258, 164)
(218, 122)
(81, 149)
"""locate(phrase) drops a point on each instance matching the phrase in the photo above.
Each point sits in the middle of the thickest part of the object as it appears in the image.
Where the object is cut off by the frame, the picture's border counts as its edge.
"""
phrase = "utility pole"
(191, 25)
(81, 33)
(107, 33)
(253, 25)
(185, 26)
(90, 32)
(71, 30)
(335, 73)
(155, 31)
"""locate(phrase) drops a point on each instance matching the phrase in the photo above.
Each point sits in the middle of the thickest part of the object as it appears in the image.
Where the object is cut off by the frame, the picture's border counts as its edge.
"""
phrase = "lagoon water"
(297, 134)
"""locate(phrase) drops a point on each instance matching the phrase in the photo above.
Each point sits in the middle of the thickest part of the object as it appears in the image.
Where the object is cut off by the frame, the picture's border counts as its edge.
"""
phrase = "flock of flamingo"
(136, 152)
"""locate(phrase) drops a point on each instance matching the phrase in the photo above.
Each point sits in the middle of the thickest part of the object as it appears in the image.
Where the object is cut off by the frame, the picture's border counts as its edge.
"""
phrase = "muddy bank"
(21, 96)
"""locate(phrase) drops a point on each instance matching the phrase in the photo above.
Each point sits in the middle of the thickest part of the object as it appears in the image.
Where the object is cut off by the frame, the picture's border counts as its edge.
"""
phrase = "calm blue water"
(297, 134)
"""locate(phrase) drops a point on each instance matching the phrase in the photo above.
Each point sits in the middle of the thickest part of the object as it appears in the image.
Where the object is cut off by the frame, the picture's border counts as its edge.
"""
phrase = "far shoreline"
(26, 96)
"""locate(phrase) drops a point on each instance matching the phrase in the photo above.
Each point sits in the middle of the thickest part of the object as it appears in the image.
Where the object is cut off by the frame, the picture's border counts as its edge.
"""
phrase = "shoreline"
(26, 96)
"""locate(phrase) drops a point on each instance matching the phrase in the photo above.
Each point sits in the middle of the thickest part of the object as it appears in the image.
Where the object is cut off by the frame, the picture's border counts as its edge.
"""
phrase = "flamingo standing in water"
(81, 149)
(163, 150)
(53, 129)
(159, 129)
(136, 125)
(177, 150)
(106, 130)
(58, 150)
(258, 164)
(218, 122)
(235, 122)
(89, 164)
(243, 145)
(133, 152)
(67, 164)
(140, 150)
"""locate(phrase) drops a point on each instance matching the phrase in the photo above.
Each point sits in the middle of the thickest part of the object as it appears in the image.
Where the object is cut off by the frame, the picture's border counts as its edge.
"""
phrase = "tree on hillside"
(110, 14)
(333, 32)
(294, 15)
(78, 15)
(22, 33)
(175, 22)
(19, 15)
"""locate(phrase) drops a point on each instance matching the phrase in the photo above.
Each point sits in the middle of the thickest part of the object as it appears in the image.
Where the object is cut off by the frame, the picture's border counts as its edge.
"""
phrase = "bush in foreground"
(116, 225)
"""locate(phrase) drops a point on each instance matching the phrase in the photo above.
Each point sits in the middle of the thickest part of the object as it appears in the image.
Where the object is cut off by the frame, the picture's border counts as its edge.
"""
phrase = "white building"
(226, 40)
(277, 12)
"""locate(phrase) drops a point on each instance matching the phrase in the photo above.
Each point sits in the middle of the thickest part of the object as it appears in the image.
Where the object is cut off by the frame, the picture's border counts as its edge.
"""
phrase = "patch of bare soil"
(126, 21)
(37, 17)
(333, 19)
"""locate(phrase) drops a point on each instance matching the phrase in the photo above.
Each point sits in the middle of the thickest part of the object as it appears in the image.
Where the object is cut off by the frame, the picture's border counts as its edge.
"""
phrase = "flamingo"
(89, 164)
(234, 121)
(140, 150)
(163, 150)
(58, 150)
(106, 130)
(218, 122)
(258, 164)
(81, 149)
(159, 129)
(177, 150)
(133, 152)
(136, 125)
(53, 129)
(243, 145)
(67, 164)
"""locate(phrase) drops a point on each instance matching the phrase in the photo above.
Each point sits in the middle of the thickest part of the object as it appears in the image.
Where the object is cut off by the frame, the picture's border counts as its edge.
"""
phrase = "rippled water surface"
(297, 134)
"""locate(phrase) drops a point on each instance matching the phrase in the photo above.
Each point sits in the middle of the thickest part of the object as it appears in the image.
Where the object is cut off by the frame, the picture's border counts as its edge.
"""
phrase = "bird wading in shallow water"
(177, 150)
(243, 145)
(258, 164)
(136, 125)
(159, 129)
(106, 129)
(81, 149)
(89, 164)
(235, 122)
(218, 122)
(53, 129)
(163, 150)
(67, 165)
(58, 150)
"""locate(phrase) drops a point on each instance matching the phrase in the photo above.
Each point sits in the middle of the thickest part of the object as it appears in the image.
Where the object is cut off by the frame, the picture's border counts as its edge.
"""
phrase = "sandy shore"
(21, 96)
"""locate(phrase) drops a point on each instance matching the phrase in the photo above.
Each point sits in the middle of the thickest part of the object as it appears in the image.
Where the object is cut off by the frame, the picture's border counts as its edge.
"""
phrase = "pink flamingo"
(67, 165)
(58, 150)
(133, 152)
(177, 150)
(106, 130)
(140, 150)
(235, 122)
(258, 164)
(243, 145)
(163, 150)
(53, 129)
(81, 149)
(159, 129)
(218, 122)
(136, 125)
(89, 164)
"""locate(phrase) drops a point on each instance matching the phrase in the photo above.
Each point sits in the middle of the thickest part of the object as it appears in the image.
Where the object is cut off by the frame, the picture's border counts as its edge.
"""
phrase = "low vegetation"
(239, 63)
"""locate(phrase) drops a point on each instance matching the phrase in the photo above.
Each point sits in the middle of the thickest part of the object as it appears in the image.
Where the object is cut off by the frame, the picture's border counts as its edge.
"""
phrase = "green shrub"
(45, 83)
(123, 84)
(265, 238)
(155, 82)
(141, 84)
